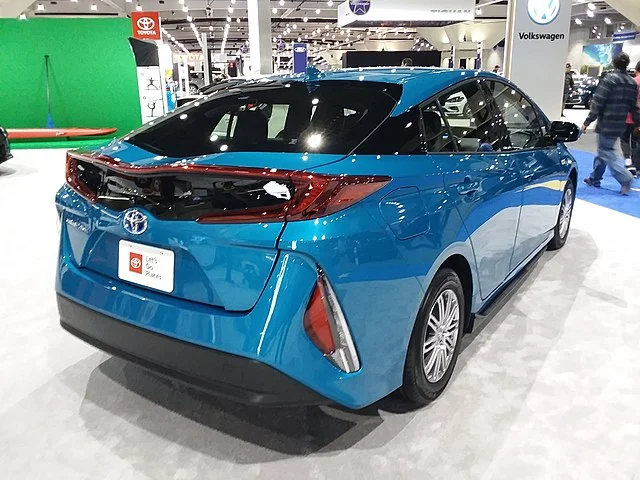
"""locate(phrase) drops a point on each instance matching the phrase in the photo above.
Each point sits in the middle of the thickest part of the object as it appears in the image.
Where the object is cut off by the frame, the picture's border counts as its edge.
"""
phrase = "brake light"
(310, 196)
(327, 328)
(73, 179)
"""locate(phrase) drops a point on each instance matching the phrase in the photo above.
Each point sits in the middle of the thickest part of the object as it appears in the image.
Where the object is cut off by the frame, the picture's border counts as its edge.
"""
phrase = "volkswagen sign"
(135, 222)
(543, 12)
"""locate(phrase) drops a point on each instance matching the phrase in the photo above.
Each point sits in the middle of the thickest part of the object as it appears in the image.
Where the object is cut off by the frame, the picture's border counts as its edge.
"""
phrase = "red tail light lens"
(303, 196)
(326, 326)
(316, 321)
(73, 179)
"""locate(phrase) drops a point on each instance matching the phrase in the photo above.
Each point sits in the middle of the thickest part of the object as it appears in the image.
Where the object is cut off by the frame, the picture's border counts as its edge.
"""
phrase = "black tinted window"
(400, 134)
(473, 121)
(520, 118)
(330, 117)
(437, 135)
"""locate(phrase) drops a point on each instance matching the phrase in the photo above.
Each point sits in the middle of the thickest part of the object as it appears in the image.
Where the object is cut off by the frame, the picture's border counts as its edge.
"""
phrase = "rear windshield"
(334, 117)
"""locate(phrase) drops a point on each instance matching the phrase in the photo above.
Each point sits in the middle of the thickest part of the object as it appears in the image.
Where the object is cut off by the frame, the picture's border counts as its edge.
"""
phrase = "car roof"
(418, 83)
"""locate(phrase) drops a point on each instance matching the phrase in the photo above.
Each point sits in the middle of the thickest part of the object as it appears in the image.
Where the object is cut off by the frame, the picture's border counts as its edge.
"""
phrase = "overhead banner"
(146, 25)
(421, 13)
(538, 38)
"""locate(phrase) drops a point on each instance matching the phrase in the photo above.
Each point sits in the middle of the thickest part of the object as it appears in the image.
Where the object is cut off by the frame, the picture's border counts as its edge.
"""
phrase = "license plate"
(149, 266)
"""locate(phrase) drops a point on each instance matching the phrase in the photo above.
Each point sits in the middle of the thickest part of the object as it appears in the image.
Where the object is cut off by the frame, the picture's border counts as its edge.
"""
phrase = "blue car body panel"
(243, 288)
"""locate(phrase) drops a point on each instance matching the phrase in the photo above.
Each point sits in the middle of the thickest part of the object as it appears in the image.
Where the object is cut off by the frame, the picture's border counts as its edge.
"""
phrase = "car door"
(537, 159)
(481, 180)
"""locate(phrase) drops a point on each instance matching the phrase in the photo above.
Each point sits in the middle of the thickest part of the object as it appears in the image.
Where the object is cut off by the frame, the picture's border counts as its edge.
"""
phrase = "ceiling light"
(185, 9)
(330, 3)
(305, 19)
(22, 16)
(590, 13)
(478, 11)
(211, 28)
(228, 19)
(622, 27)
(94, 7)
(327, 27)
(317, 11)
(238, 20)
(591, 6)
(281, 2)
(189, 18)
(295, 27)
(233, 2)
(607, 20)
(40, 7)
(181, 2)
(139, 8)
(274, 10)
(230, 9)
(578, 21)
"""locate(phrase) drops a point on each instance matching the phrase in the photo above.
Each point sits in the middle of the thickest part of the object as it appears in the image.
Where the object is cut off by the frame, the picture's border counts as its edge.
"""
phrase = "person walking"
(630, 142)
(616, 97)
(568, 86)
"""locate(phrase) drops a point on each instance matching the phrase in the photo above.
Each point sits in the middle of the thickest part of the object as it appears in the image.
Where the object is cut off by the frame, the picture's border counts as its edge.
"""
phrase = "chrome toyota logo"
(135, 222)
(543, 12)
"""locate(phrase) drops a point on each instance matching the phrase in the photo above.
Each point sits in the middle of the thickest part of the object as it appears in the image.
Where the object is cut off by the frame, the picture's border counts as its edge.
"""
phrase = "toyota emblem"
(146, 23)
(135, 222)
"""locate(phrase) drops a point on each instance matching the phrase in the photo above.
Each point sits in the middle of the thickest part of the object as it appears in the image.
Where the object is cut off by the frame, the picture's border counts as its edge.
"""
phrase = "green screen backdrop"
(92, 73)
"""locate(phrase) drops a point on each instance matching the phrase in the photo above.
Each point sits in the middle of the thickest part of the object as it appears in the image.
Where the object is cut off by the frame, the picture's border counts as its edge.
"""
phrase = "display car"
(5, 148)
(582, 93)
(312, 238)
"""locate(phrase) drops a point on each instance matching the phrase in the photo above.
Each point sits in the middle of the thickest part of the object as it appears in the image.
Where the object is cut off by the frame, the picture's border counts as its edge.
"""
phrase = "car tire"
(561, 230)
(421, 382)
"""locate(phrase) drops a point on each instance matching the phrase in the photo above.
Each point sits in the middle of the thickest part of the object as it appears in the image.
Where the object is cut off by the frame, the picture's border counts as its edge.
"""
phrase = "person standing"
(629, 142)
(568, 86)
(616, 97)
(496, 69)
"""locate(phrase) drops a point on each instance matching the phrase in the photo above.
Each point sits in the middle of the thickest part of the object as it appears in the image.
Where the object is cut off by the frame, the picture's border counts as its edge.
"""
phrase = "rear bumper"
(223, 374)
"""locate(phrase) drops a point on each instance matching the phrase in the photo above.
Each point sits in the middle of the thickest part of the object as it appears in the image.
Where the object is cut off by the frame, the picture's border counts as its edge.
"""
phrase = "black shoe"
(591, 183)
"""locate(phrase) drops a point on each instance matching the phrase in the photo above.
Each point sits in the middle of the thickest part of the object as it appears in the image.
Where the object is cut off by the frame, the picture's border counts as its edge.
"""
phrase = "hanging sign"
(623, 37)
(146, 25)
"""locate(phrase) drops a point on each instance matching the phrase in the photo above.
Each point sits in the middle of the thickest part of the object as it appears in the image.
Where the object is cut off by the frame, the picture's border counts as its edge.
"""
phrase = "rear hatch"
(193, 205)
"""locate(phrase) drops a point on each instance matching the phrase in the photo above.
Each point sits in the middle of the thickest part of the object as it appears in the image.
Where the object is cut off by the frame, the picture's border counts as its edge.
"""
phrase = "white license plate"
(149, 266)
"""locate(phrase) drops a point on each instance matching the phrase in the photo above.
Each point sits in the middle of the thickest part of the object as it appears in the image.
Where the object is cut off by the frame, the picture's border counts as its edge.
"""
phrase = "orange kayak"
(42, 133)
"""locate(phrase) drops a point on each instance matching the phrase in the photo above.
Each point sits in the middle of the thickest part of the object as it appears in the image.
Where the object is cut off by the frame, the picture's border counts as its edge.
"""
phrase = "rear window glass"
(334, 117)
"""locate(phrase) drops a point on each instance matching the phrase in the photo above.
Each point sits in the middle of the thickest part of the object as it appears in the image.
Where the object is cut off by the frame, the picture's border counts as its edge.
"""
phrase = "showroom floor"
(546, 388)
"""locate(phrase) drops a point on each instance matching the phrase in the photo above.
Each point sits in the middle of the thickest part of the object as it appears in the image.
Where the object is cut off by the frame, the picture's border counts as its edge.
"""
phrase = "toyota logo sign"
(543, 12)
(146, 23)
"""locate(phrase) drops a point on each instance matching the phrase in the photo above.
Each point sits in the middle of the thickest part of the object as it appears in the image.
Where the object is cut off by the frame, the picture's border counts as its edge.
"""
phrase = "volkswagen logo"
(359, 7)
(146, 23)
(543, 12)
(135, 222)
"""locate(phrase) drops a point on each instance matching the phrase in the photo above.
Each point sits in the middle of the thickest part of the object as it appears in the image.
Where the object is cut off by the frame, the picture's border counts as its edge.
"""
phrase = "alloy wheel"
(441, 336)
(566, 208)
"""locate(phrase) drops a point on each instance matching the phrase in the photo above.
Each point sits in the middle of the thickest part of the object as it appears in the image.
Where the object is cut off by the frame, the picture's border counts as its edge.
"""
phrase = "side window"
(397, 135)
(473, 122)
(436, 132)
(520, 117)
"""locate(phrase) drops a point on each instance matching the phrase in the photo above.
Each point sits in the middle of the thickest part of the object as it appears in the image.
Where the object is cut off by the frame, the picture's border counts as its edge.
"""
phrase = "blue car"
(312, 238)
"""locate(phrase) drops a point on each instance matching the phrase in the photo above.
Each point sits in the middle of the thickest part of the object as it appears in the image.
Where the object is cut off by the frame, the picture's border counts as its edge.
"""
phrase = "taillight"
(299, 195)
(327, 327)
(73, 178)
(314, 196)
(321, 195)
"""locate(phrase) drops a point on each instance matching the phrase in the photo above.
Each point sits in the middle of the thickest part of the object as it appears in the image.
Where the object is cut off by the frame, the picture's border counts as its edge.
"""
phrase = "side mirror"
(564, 132)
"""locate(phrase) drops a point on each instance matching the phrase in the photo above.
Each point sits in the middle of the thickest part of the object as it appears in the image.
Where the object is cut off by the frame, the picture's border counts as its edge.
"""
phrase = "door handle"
(468, 187)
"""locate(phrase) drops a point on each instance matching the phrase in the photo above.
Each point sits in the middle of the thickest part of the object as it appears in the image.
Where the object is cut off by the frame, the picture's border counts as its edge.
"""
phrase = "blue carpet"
(609, 194)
